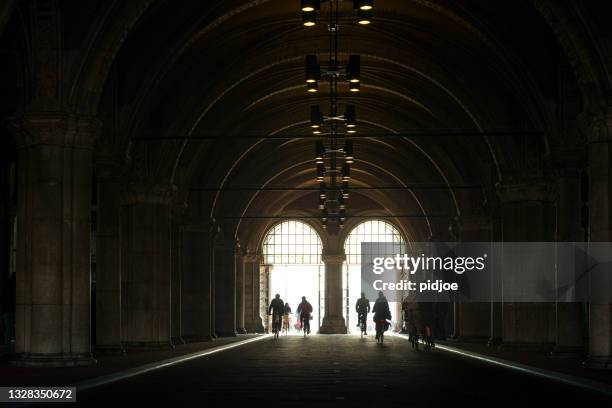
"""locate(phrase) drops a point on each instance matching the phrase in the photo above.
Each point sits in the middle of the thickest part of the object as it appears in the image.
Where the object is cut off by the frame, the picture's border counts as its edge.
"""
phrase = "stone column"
(333, 321)
(600, 230)
(528, 214)
(146, 265)
(4, 220)
(224, 262)
(265, 296)
(570, 317)
(474, 318)
(53, 265)
(108, 257)
(197, 307)
(252, 319)
(240, 285)
(497, 315)
(176, 254)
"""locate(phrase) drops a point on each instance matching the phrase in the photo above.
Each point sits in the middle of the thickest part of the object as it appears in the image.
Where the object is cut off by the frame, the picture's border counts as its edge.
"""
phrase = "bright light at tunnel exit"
(293, 281)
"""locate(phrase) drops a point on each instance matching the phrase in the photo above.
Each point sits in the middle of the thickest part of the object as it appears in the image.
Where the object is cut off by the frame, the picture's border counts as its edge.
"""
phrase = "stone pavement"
(337, 370)
(108, 363)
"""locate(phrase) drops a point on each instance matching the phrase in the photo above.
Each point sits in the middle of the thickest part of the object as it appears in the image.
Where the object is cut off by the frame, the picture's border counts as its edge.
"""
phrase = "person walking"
(382, 313)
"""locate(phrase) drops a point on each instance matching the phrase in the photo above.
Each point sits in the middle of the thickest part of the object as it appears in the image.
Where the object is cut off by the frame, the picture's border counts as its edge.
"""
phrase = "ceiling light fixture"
(362, 4)
(328, 152)
(310, 5)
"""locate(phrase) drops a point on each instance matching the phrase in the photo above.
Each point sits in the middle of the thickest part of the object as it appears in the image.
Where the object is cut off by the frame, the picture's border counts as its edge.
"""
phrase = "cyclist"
(363, 308)
(304, 310)
(276, 309)
(286, 313)
(413, 335)
(427, 334)
(382, 313)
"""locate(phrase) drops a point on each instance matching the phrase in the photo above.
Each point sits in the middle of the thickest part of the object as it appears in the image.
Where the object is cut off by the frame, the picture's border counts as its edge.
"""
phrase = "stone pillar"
(265, 296)
(570, 317)
(252, 319)
(108, 257)
(474, 318)
(146, 265)
(240, 285)
(53, 265)
(528, 214)
(5, 229)
(197, 307)
(600, 230)
(333, 321)
(497, 315)
(224, 262)
(176, 291)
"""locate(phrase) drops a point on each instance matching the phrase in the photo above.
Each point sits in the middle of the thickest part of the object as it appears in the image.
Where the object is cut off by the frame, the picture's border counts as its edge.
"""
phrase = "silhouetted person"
(305, 311)
(286, 313)
(381, 314)
(8, 312)
(363, 308)
(428, 337)
(277, 308)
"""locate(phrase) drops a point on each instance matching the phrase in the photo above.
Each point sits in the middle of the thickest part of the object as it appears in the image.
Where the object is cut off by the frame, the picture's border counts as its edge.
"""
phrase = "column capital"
(526, 190)
(473, 222)
(143, 193)
(600, 128)
(56, 128)
(252, 258)
(570, 161)
(108, 170)
(333, 258)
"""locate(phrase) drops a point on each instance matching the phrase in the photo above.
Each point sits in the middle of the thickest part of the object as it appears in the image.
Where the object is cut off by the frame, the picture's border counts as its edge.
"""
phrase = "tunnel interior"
(166, 169)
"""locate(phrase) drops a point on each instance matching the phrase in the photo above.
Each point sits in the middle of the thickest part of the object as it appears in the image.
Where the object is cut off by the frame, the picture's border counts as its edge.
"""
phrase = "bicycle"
(276, 325)
(362, 324)
(285, 324)
(414, 340)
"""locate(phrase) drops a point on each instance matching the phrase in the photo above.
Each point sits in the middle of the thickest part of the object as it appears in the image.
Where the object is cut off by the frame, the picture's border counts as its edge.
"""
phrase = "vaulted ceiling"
(207, 94)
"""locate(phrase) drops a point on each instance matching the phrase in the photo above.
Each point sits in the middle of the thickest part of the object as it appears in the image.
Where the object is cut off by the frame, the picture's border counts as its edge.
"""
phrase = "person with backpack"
(363, 308)
(276, 309)
(304, 310)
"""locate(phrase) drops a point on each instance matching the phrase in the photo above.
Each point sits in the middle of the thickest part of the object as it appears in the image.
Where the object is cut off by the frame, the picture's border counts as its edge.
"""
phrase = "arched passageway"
(369, 231)
(292, 268)
(148, 146)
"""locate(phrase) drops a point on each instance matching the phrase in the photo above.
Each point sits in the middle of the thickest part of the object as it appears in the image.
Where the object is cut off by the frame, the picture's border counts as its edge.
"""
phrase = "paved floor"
(108, 363)
(337, 371)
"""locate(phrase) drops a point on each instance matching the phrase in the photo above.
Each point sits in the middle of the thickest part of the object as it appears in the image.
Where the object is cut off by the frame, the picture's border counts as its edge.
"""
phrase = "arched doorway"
(367, 231)
(293, 267)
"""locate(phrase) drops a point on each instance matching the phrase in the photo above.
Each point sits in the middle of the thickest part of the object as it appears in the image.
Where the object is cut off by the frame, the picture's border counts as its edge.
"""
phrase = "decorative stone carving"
(526, 190)
(61, 129)
(252, 258)
(140, 193)
(600, 129)
(333, 258)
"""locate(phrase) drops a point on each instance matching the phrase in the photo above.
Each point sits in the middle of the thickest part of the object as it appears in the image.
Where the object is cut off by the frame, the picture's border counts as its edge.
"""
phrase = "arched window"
(374, 231)
(292, 242)
(293, 268)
